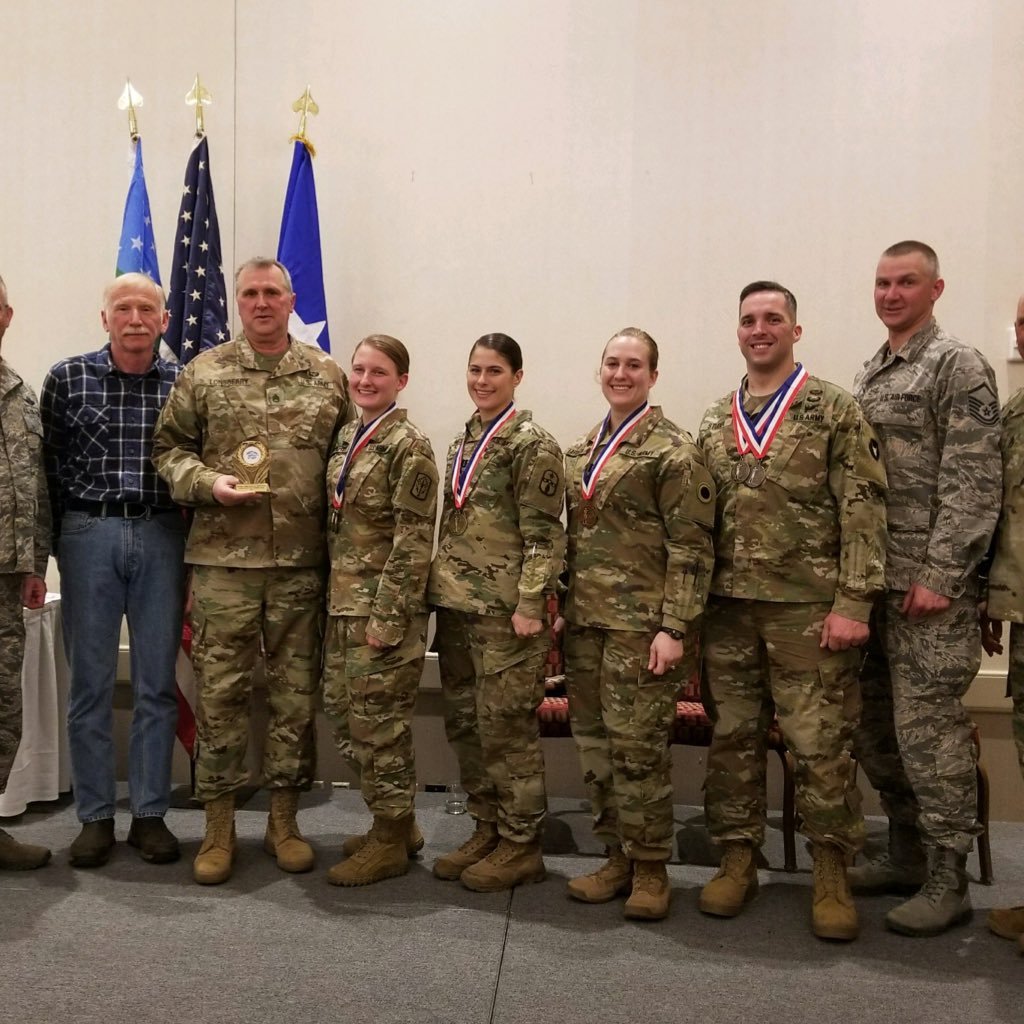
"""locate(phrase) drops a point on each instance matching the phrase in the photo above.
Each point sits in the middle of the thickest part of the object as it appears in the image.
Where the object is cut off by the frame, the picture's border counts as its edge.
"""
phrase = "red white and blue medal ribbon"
(592, 470)
(756, 433)
(462, 475)
(363, 434)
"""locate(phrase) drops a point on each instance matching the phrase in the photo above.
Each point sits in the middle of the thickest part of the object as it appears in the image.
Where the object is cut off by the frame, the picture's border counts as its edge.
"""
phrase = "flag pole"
(129, 100)
(304, 106)
(199, 97)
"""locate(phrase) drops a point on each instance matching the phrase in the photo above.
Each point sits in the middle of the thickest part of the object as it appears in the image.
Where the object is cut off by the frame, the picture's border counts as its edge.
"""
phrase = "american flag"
(198, 299)
(198, 321)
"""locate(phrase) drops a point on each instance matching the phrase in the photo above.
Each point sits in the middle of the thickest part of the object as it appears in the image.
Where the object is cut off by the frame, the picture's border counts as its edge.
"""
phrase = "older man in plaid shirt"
(119, 541)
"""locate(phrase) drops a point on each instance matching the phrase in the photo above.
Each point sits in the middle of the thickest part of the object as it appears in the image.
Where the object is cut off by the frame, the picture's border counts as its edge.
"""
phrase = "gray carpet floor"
(134, 942)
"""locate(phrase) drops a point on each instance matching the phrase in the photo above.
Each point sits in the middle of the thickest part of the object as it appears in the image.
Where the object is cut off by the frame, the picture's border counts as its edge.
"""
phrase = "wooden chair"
(691, 727)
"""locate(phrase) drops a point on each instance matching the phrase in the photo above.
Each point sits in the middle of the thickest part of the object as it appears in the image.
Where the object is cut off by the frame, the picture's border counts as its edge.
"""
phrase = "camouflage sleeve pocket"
(546, 484)
(417, 489)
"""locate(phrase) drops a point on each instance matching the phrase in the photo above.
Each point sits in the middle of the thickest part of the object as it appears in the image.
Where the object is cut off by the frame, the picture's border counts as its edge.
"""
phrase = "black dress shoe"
(154, 840)
(92, 846)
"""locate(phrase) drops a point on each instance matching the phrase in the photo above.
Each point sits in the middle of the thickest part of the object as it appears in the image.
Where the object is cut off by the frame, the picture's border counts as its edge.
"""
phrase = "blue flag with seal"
(136, 251)
(197, 302)
(299, 251)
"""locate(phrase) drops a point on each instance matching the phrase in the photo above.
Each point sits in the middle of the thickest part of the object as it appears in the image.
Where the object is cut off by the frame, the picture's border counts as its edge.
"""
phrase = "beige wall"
(551, 168)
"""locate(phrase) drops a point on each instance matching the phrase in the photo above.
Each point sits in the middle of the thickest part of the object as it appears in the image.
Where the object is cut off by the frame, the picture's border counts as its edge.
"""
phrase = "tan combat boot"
(15, 856)
(509, 864)
(1006, 922)
(651, 893)
(902, 869)
(413, 845)
(483, 840)
(735, 883)
(383, 854)
(613, 878)
(942, 901)
(283, 839)
(833, 915)
(217, 854)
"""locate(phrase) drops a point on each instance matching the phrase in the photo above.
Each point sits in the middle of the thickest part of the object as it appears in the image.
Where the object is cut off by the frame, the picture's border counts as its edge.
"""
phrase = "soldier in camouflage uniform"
(1006, 595)
(499, 553)
(24, 551)
(382, 486)
(933, 402)
(641, 507)
(257, 412)
(799, 557)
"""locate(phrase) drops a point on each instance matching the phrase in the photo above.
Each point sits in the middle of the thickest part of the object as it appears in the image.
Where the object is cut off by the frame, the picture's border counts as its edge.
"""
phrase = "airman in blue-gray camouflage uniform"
(933, 402)
(1005, 596)
(24, 551)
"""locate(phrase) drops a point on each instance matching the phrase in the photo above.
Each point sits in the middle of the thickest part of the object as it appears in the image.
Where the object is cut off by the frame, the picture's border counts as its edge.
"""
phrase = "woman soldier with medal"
(382, 488)
(641, 509)
(499, 553)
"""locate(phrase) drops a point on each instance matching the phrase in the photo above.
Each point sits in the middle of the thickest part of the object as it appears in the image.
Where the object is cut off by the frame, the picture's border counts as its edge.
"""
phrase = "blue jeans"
(109, 568)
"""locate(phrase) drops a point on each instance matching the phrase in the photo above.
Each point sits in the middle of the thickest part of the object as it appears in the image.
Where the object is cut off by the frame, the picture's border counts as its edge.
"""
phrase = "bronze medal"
(588, 513)
(740, 472)
(458, 521)
(757, 475)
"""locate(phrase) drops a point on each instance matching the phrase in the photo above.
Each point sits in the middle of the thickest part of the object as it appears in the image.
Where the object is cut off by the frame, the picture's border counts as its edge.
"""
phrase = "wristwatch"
(676, 634)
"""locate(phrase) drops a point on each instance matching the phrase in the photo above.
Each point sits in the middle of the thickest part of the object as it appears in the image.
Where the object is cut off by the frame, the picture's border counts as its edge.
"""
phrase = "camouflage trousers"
(237, 616)
(369, 696)
(914, 739)
(491, 683)
(621, 716)
(12, 654)
(1015, 680)
(763, 658)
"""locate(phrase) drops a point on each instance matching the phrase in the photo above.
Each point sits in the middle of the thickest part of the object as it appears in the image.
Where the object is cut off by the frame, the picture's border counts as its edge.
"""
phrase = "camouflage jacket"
(935, 409)
(382, 538)
(646, 561)
(814, 531)
(1006, 576)
(223, 399)
(511, 552)
(24, 505)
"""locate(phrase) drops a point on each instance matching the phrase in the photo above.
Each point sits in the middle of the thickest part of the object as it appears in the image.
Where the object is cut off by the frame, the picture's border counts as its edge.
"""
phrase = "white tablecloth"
(42, 768)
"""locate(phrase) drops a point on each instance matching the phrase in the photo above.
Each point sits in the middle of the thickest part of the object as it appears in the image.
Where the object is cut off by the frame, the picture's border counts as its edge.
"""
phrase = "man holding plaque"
(799, 557)
(119, 541)
(244, 439)
(933, 402)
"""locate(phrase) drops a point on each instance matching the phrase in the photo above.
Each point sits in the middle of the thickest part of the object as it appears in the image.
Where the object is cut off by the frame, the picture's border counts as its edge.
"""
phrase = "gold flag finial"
(303, 106)
(130, 99)
(199, 97)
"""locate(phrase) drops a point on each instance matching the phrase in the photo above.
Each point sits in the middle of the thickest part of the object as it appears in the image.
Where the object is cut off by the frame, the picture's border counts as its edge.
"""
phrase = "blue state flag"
(197, 302)
(299, 251)
(136, 251)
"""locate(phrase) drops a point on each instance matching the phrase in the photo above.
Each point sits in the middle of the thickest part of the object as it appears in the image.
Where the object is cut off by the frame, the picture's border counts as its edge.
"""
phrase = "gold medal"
(458, 521)
(588, 513)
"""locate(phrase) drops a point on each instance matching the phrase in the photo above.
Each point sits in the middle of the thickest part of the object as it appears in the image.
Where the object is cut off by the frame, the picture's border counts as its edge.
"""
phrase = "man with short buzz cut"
(119, 541)
(799, 557)
(244, 439)
(24, 552)
(933, 402)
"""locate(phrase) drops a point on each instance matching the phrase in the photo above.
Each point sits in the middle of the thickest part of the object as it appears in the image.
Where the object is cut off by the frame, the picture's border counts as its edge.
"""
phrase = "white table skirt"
(42, 767)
